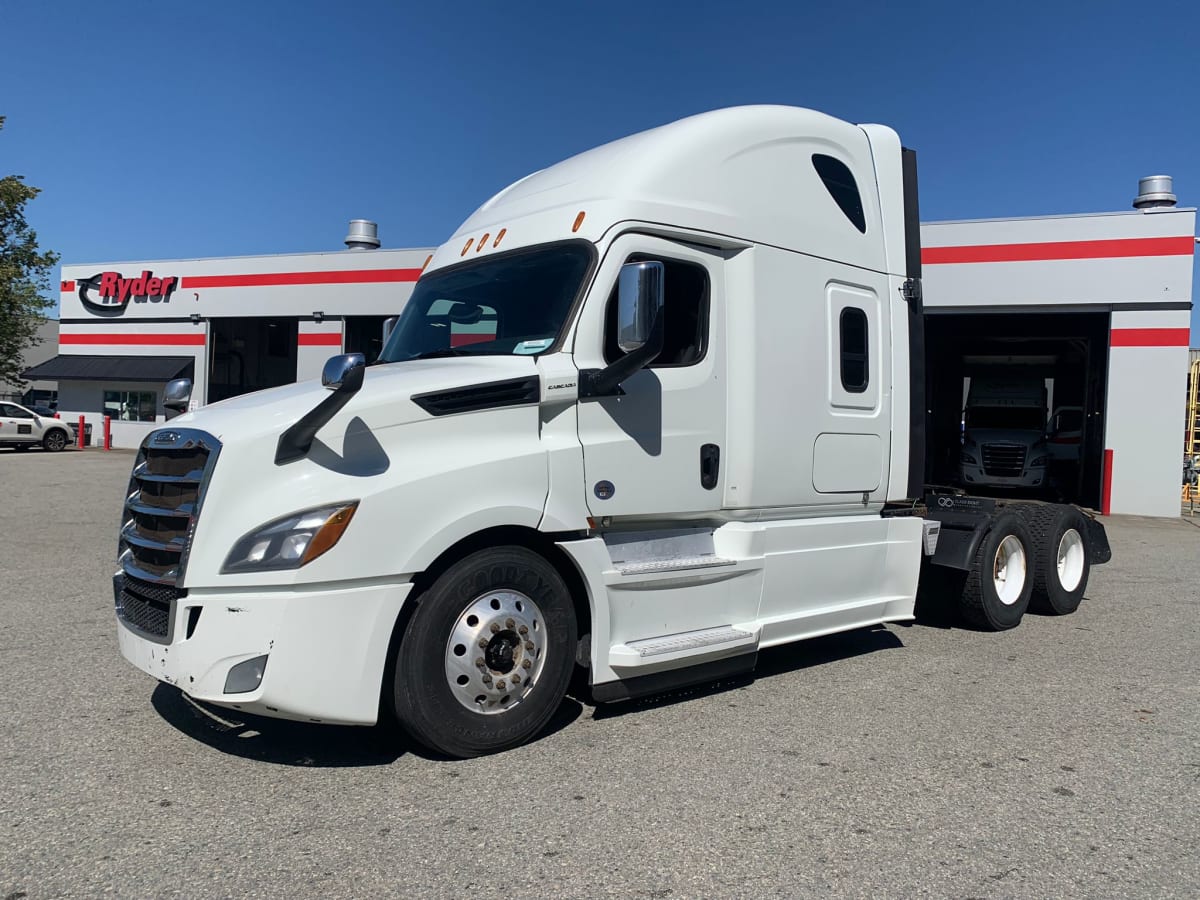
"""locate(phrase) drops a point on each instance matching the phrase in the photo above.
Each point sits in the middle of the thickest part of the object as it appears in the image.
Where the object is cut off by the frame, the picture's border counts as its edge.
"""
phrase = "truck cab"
(646, 412)
(1004, 438)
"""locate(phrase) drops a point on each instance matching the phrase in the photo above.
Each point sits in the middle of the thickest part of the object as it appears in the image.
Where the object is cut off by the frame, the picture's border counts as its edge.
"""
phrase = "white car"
(23, 428)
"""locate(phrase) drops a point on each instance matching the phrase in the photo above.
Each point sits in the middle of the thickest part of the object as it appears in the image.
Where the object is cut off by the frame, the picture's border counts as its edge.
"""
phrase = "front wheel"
(486, 657)
(54, 440)
(1000, 581)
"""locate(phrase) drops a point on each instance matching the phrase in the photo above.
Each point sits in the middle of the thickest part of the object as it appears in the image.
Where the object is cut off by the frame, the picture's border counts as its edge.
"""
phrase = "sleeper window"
(685, 308)
(853, 328)
(839, 181)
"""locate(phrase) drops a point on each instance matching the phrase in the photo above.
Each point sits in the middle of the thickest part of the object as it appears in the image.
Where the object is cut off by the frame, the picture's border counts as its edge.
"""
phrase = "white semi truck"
(647, 412)
(1004, 434)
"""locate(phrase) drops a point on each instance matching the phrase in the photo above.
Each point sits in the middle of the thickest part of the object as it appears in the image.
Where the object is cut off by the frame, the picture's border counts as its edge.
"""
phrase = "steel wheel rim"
(1070, 559)
(1008, 570)
(496, 652)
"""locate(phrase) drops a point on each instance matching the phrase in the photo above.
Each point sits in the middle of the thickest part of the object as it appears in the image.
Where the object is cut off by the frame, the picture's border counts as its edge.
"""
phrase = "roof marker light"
(428, 260)
(470, 241)
(578, 221)
(483, 240)
(499, 237)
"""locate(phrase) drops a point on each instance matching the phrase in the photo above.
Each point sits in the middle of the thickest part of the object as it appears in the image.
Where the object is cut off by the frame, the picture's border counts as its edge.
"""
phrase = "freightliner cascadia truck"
(647, 412)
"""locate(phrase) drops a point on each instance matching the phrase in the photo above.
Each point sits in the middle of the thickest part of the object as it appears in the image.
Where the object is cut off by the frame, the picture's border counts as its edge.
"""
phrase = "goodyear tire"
(484, 662)
(999, 583)
(54, 440)
(1060, 557)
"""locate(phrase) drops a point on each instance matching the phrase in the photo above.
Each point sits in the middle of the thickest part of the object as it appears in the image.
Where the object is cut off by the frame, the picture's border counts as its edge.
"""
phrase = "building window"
(130, 406)
(841, 186)
(685, 309)
(854, 350)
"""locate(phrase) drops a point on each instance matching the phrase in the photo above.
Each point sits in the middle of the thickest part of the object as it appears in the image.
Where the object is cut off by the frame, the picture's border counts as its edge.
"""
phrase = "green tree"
(24, 277)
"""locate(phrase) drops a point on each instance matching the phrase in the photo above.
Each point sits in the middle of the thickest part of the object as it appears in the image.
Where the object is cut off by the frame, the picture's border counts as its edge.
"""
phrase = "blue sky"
(161, 130)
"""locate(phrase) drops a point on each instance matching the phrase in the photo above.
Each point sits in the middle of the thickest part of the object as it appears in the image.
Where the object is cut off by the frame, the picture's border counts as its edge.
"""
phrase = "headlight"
(968, 459)
(1039, 461)
(292, 541)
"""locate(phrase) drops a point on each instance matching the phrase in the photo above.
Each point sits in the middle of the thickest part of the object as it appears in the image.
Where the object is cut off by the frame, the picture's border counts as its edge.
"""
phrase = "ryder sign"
(109, 293)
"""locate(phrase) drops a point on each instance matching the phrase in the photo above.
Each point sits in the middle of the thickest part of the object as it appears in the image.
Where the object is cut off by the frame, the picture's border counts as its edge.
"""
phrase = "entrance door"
(656, 449)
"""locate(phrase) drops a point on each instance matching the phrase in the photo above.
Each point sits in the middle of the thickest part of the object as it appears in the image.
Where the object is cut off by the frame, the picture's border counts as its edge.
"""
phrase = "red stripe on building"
(68, 287)
(156, 340)
(1106, 497)
(1059, 250)
(326, 339)
(361, 276)
(1149, 337)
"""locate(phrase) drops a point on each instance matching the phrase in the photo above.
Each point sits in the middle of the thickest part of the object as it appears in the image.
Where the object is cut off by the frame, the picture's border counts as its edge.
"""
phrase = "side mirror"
(389, 325)
(640, 329)
(344, 374)
(176, 396)
(639, 302)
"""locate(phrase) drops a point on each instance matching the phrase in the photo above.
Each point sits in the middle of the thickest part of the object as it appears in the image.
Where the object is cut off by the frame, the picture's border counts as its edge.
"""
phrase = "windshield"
(1025, 418)
(516, 303)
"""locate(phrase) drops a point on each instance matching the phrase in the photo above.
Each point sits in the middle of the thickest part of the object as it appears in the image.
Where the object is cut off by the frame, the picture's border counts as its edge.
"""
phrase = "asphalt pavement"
(1056, 760)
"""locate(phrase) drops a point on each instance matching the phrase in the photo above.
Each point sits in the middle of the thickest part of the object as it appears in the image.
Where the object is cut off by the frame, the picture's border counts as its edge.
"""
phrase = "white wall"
(1145, 418)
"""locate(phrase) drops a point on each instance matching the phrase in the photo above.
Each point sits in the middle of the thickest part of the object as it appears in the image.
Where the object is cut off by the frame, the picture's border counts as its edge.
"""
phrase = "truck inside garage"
(1067, 352)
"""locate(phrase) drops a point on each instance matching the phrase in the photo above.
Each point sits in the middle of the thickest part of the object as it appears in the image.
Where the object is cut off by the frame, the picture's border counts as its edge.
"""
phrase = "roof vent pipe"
(364, 235)
(1154, 192)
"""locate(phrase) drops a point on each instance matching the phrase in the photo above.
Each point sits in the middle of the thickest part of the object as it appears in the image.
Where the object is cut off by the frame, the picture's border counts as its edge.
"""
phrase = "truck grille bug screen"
(161, 506)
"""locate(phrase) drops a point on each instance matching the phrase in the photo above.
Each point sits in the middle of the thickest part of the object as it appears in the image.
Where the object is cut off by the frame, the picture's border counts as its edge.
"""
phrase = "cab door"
(654, 450)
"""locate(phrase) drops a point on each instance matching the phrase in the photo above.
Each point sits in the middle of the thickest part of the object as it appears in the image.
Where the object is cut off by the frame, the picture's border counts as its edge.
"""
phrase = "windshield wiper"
(438, 354)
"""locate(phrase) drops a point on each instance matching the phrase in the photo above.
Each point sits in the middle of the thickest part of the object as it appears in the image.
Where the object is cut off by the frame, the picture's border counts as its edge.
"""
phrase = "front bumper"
(326, 649)
(971, 476)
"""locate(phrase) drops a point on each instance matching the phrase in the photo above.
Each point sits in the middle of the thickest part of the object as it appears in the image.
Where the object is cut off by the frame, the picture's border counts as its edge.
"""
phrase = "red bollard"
(79, 434)
(108, 432)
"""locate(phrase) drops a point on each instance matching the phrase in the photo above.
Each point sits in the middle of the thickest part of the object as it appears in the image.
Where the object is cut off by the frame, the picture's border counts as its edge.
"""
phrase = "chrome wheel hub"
(495, 653)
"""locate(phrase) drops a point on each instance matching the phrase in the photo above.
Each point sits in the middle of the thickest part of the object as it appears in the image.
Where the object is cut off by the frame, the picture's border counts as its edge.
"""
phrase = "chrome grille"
(161, 506)
(1004, 460)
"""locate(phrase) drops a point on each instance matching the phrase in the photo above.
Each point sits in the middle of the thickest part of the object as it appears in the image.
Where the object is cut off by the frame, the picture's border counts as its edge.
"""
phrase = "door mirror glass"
(176, 396)
(639, 303)
(389, 325)
(344, 373)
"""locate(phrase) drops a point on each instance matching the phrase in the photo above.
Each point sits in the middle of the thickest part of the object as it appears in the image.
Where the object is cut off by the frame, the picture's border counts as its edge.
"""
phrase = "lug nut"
(529, 646)
(479, 663)
(487, 679)
(525, 664)
(516, 679)
(522, 630)
(509, 623)
(495, 628)
(483, 643)
(500, 685)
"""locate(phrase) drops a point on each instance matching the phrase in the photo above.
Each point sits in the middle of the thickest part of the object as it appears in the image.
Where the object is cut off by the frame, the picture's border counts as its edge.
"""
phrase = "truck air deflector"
(493, 395)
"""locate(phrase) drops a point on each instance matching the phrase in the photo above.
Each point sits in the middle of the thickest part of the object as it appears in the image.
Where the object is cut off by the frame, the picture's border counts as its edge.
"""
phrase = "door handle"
(710, 466)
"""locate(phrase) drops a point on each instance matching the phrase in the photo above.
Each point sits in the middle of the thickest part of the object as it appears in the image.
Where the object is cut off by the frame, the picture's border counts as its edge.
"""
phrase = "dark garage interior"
(1068, 350)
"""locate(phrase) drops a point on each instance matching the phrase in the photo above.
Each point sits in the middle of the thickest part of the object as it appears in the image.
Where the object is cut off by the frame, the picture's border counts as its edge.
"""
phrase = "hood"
(1025, 437)
(383, 401)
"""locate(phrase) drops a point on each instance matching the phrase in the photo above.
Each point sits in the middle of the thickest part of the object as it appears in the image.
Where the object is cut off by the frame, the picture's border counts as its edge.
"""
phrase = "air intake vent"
(496, 394)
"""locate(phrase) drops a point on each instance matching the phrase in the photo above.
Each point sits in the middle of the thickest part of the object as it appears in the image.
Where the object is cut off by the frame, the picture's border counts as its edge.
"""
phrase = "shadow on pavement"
(287, 743)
